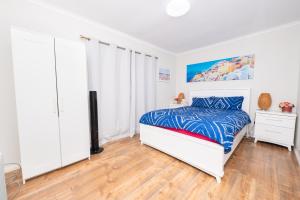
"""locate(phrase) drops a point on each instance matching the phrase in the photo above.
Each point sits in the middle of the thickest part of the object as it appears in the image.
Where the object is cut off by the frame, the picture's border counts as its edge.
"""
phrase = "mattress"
(218, 125)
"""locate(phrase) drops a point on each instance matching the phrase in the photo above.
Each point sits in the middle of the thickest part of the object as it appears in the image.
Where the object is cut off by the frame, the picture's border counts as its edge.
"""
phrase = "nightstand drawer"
(280, 121)
(273, 133)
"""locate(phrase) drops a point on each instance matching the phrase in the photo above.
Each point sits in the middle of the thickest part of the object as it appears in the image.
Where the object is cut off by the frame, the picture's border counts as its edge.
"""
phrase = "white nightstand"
(275, 127)
(175, 105)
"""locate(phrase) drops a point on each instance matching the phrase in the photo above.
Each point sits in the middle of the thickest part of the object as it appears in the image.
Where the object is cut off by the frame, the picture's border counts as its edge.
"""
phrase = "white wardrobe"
(52, 101)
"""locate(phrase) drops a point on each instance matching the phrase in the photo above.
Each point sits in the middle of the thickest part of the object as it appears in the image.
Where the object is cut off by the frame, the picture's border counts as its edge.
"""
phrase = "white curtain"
(93, 61)
(126, 86)
(150, 83)
(140, 98)
(109, 75)
(145, 73)
(133, 83)
(124, 91)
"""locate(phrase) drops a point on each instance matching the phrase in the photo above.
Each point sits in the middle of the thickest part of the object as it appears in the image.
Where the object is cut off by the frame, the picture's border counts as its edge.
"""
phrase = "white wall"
(276, 68)
(22, 13)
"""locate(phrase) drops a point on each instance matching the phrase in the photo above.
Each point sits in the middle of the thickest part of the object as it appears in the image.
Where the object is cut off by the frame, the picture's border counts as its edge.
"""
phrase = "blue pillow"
(228, 103)
(202, 102)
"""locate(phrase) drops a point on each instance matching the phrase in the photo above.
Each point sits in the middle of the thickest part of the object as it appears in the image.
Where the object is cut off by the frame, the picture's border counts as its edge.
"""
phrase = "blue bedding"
(217, 124)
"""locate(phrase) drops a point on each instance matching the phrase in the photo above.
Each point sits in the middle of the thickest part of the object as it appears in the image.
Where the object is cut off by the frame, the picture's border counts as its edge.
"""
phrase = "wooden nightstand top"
(277, 113)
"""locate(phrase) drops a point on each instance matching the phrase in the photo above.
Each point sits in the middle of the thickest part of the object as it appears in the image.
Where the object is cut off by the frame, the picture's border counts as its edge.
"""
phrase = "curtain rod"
(119, 47)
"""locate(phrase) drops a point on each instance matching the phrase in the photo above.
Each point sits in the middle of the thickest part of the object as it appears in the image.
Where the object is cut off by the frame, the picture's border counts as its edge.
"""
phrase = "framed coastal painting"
(164, 74)
(235, 68)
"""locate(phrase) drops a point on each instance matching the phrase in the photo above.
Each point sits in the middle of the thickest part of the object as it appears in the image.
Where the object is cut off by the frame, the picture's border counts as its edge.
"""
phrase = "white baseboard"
(297, 153)
(104, 141)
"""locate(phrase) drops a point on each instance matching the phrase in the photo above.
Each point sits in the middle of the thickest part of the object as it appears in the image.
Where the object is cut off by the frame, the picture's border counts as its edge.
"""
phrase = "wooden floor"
(127, 170)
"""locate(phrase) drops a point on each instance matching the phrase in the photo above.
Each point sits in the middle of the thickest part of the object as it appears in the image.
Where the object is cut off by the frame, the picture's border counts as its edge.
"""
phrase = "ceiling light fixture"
(177, 8)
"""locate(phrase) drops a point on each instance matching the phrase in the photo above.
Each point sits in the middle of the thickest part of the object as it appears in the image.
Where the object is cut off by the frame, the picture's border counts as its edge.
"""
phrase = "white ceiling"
(208, 22)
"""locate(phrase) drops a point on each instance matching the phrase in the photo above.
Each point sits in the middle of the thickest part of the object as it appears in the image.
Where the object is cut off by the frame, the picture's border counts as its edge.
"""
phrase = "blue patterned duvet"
(217, 124)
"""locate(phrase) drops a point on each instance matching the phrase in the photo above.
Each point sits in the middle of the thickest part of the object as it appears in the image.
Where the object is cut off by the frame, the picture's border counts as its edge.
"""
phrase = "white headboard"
(246, 92)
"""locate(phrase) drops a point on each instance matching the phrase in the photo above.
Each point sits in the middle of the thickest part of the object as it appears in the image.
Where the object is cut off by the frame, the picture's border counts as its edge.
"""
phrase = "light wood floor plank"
(127, 170)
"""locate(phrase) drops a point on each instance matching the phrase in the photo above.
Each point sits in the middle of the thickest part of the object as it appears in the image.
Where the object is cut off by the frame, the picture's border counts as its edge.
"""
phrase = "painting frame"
(227, 69)
(164, 74)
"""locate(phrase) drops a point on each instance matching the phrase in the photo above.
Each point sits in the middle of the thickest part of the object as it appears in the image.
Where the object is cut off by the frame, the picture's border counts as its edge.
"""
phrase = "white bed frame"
(204, 155)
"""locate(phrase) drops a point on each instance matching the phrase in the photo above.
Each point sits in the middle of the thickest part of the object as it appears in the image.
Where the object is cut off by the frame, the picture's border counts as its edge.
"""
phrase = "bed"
(202, 154)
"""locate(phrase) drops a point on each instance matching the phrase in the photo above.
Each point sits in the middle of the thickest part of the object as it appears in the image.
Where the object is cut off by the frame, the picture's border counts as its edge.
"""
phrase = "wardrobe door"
(36, 99)
(73, 100)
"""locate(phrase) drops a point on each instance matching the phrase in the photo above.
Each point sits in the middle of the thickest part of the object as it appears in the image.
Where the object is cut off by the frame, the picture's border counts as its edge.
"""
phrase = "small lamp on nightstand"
(179, 101)
(264, 101)
(180, 98)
